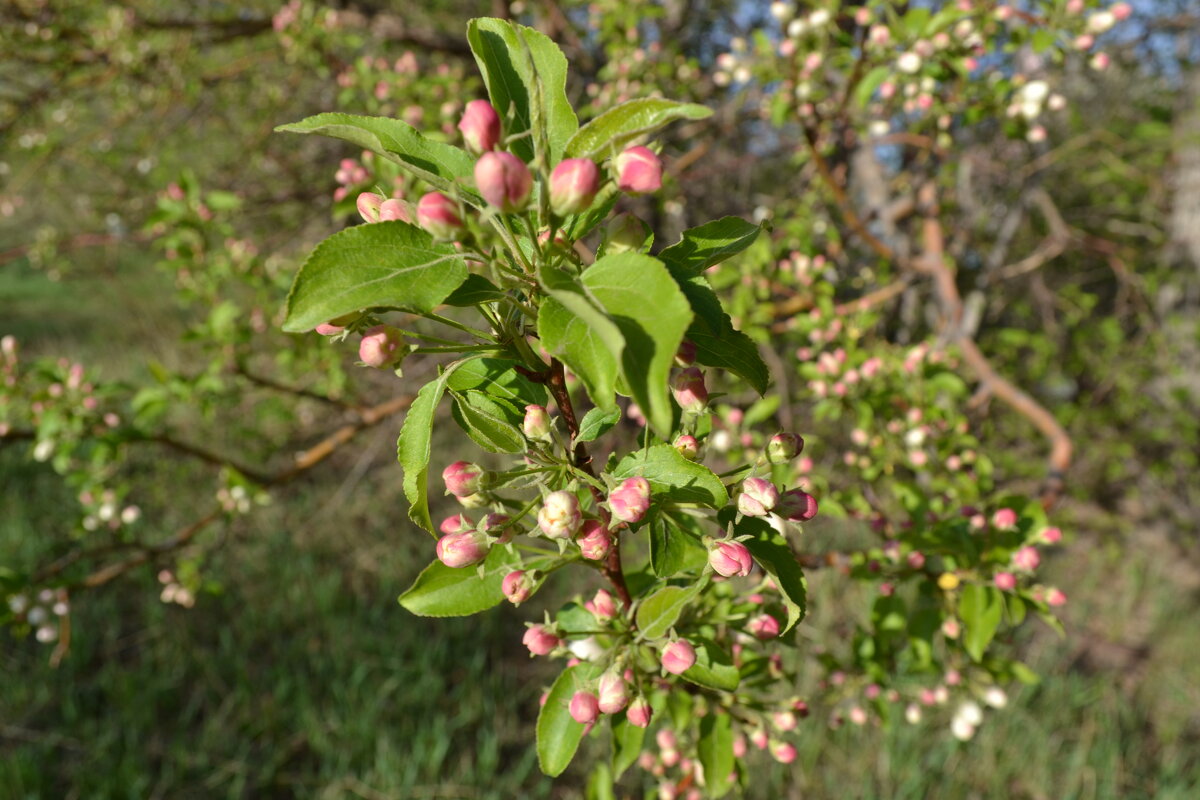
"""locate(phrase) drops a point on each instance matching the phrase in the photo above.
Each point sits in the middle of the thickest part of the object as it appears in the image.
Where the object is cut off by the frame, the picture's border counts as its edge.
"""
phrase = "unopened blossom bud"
(560, 516)
(783, 752)
(639, 713)
(573, 186)
(687, 446)
(497, 526)
(517, 586)
(1027, 559)
(594, 540)
(457, 523)
(690, 391)
(912, 714)
(503, 180)
(462, 478)
(730, 559)
(763, 627)
(480, 126)
(1005, 581)
(796, 505)
(537, 423)
(1004, 518)
(678, 657)
(381, 347)
(602, 605)
(438, 215)
(908, 62)
(614, 692)
(995, 697)
(1056, 598)
(639, 171)
(625, 233)
(462, 549)
(393, 209)
(329, 329)
(784, 447)
(630, 501)
(368, 206)
(1121, 11)
(1052, 536)
(685, 356)
(916, 559)
(758, 497)
(584, 707)
(540, 640)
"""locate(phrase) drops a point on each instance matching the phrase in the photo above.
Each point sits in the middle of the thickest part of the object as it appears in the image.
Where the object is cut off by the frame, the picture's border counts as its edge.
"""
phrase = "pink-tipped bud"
(1005, 581)
(517, 587)
(1056, 598)
(687, 446)
(584, 707)
(916, 559)
(796, 505)
(463, 478)
(758, 497)
(783, 752)
(639, 171)
(625, 234)
(678, 657)
(1052, 536)
(630, 501)
(602, 605)
(503, 180)
(458, 523)
(480, 126)
(329, 329)
(381, 347)
(730, 559)
(614, 692)
(1121, 11)
(1005, 518)
(639, 713)
(497, 526)
(783, 447)
(690, 391)
(594, 540)
(763, 627)
(739, 746)
(560, 516)
(368, 206)
(1027, 559)
(540, 640)
(393, 209)
(537, 423)
(685, 356)
(462, 549)
(573, 186)
(438, 215)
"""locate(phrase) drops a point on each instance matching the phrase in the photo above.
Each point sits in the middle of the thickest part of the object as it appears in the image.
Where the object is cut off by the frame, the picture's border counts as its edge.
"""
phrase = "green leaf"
(441, 165)
(711, 243)
(498, 378)
(486, 421)
(780, 563)
(596, 423)
(413, 448)
(576, 330)
(511, 58)
(673, 476)
(981, 609)
(718, 343)
(441, 591)
(870, 82)
(600, 783)
(610, 132)
(714, 668)
(474, 290)
(672, 550)
(715, 749)
(661, 610)
(558, 735)
(627, 741)
(384, 264)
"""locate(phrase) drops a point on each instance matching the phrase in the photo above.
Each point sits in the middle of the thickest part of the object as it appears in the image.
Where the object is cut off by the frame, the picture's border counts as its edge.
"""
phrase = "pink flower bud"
(1005, 581)
(1121, 11)
(540, 640)
(739, 746)
(685, 356)
(1052, 536)
(758, 497)
(690, 391)
(560, 516)
(497, 526)
(796, 505)
(783, 447)
(585, 707)
(480, 126)
(1004, 518)
(764, 627)
(537, 423)
(393, 209)
(1027, 559)
(462, 549)
(678, 657)
(639, 713)
(368, 206)
(573, 186)
(783, 752)
(602, 605)
(517, 586)
(730, 559)
(329, 329)
(503, 180)
(594, 540)
(630, 501)
(381, 347)
(457, 523)
(916, 559)
(687, 446)
(463, 478)
(625, 234)
(614, 692)
(438, 215)
(1056, 598)
(639, 171)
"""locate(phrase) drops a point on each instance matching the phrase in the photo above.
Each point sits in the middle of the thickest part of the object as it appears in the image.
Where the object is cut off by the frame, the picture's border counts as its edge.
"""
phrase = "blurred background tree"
(150, 223)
